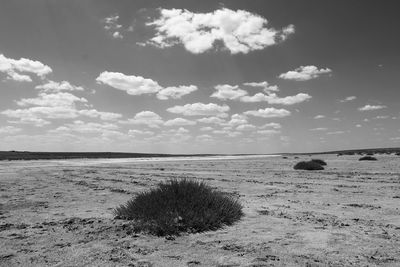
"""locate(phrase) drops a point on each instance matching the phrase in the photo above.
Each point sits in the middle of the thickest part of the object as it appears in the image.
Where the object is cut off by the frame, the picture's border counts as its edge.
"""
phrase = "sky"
(189, 76)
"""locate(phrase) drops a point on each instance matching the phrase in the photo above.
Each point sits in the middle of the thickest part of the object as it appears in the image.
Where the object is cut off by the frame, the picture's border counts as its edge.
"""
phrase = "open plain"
(59, 213)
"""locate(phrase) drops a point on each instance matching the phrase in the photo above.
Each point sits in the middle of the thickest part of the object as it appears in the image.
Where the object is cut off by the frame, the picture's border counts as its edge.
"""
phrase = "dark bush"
(180, 206)
(370, 154)
(367, 158)
(320, 162)
(308, 165)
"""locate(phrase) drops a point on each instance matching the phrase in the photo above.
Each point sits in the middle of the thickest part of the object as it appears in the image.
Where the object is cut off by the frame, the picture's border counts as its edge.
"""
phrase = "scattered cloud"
(52, 86)
(112, 27)
(9, 130)
(319, 117)
(268, 113)
(304, 73)
(336, 132)
(239, 31)
(14, 68)
(228, 92)
(212, 120)
(273, 125)
(319, 129)
(207, 128)
(371, 107)
(265, 85)
(148, 118)
(133, 85)
(198, 109)
(175, 92)
(179, 122)
(348, 99)
(93, 113)
(246, 127)
(137, 85)
(272, 98)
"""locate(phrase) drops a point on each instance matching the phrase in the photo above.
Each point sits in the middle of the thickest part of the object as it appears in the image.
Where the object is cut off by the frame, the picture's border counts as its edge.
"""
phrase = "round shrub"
(320, 162)
(180, 206)
(398, 154)
(308, 165)
(367, 158)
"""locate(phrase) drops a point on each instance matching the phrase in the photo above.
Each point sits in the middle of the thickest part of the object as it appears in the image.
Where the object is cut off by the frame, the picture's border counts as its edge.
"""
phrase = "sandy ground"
(59, 213)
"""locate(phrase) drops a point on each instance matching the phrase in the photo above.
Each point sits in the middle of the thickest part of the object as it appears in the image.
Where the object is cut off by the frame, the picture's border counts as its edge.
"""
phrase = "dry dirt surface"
(59, 213)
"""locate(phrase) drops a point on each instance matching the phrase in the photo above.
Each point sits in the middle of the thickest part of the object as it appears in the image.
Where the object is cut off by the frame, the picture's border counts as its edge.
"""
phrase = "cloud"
(13, 68)
(268, 132)
(86, 127)
(304, 73)
(347, 99)
(319, 117)
(18, 77)
(93, 113)
(52, 100)
(139, 132)
(175, 92)
(204, 138)
(268, 113)
(212, 120)
(319, 129)
(371, 107)
(112, 27)
(137, 85)
(237, 119)
(59, 105)
(238, 31)
(246, 127)
(229, 92)
(149, 118)
(52, 86)
(226, 91)
(336, 132)
(265, 85)
(271, 125)
(208, 128)
(9, 130)
(198, 109)
(272, 98)
(179, 122)
(133, 85)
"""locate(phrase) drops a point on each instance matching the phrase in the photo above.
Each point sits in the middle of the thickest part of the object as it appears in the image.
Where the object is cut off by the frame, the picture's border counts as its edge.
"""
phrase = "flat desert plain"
(59, 213)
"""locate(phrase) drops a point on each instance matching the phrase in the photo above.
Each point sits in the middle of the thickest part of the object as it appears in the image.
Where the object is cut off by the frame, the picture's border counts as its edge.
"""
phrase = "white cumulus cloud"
(175, 92)
(304, 73)
(133, 85)
(52, 86)
(179, 122)
(228, 92)
(14, 68)
(371, 107)
(198, 109)
(268, 113)
(239, 31)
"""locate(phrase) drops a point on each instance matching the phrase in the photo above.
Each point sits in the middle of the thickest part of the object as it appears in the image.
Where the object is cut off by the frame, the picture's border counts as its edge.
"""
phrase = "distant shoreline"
(29, 155)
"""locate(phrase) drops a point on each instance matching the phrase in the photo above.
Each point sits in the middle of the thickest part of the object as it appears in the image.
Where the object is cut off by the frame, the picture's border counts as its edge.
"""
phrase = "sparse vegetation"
(180, 206)
(308, 165)
(367, 158)
(320, 162)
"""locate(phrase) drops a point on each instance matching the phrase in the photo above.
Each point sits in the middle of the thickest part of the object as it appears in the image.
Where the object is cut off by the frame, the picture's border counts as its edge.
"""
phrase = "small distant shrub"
(367, 158)
(340, 154)
(370, 154)
(320, 162)
(308, 165)
(284, 157)
(180, 206)
(398, 154)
